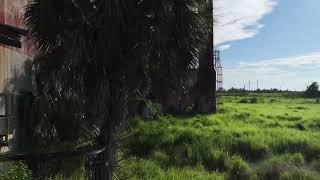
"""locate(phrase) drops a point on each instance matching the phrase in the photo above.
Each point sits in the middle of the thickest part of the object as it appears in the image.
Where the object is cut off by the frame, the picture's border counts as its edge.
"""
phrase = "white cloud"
(293, 62)
(224, 47)
(288, 73)
(239, 19)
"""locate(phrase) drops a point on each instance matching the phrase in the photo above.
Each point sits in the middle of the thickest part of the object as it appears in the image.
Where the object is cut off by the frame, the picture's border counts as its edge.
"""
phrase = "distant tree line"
(242, 90)
(312, 91)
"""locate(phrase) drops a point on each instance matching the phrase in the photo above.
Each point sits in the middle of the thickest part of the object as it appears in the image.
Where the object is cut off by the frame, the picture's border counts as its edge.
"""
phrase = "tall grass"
(272, 138)
(268, 138)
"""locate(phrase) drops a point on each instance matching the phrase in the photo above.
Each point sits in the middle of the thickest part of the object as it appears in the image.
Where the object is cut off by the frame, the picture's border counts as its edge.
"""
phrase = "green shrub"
(161, 157)
(272, 169)
(254, 100)
(297, 159)
(201, 121)
(251, 100)
(139, 169)
(193, 154)
(79, 174)
(57, 177)
(189, 174)
(281, 167)
(290, 144)
(214, 160)
(17, 171)
(142, 145)
(250, 149)
(313, 151)
(316, 165)
(299, 175)
(242, 116)
(272, 100)
(187, 137)
(244, 100)
(314, 123)
(239, 170)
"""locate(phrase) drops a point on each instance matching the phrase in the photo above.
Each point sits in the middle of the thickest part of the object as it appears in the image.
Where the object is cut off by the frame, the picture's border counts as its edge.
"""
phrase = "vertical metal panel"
(12, 61)
(11, 67)
(1, 11)
(11, 13)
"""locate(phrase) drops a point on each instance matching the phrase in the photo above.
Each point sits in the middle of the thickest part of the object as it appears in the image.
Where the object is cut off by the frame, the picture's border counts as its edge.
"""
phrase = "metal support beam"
(10, 35)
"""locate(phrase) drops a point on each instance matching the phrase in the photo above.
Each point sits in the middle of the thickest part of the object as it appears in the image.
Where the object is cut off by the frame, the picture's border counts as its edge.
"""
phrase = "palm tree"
(94, 54)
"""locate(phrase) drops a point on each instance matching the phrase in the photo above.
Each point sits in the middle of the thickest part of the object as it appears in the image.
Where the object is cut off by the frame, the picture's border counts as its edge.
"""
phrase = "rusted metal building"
(14, 55)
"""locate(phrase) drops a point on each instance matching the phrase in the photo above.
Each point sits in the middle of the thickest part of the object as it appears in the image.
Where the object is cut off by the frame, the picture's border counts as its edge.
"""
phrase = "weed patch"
(239, 170)
(277, 139)
(250, 149)
(286, 117)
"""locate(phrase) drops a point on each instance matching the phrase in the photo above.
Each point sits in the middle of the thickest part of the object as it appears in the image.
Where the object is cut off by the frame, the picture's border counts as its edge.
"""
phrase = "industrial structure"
(14, 53)
(219, 81)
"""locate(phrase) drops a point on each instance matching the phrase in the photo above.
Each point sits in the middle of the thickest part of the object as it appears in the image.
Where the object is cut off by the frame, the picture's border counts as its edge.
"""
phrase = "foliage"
(79, 174)
(244, 100)
(265, 140)
(145, 169)
(242, 90)
(312, 91)
(263, 92)
(92, 56)
(17, 171)
(252, 100)
(239, 170)
(83, 53)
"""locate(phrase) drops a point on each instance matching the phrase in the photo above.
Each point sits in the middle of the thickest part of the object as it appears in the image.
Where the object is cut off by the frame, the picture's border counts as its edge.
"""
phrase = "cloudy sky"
(275, 42)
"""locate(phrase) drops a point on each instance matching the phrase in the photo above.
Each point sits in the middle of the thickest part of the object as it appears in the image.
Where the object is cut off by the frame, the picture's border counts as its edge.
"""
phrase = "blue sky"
(274, 41)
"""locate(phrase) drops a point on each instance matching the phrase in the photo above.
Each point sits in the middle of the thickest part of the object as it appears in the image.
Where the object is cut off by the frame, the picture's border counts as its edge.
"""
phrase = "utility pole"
(249, 86)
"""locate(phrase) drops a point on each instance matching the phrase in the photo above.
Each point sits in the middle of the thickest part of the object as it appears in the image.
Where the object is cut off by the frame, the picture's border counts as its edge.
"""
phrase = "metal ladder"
(219, 74)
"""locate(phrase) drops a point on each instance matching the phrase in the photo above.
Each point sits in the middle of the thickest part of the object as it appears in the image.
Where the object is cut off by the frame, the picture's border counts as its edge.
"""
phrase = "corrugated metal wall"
(12, 59)
(12, 62)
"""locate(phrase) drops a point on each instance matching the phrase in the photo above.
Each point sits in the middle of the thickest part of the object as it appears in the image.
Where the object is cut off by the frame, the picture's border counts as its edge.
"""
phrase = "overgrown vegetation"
(277, 138)
(20, 171)
(15, 171)
(94, 56)
(312, 91)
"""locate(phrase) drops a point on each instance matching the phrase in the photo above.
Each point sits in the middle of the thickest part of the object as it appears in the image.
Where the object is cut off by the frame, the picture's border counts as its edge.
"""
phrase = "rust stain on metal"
(11, 13)
(11, 59)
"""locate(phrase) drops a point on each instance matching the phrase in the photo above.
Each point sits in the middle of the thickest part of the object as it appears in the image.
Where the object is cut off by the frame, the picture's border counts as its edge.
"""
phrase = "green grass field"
(264, 137)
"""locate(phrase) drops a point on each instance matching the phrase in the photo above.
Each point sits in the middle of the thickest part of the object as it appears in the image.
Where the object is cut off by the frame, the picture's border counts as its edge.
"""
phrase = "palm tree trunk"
(117, 114)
